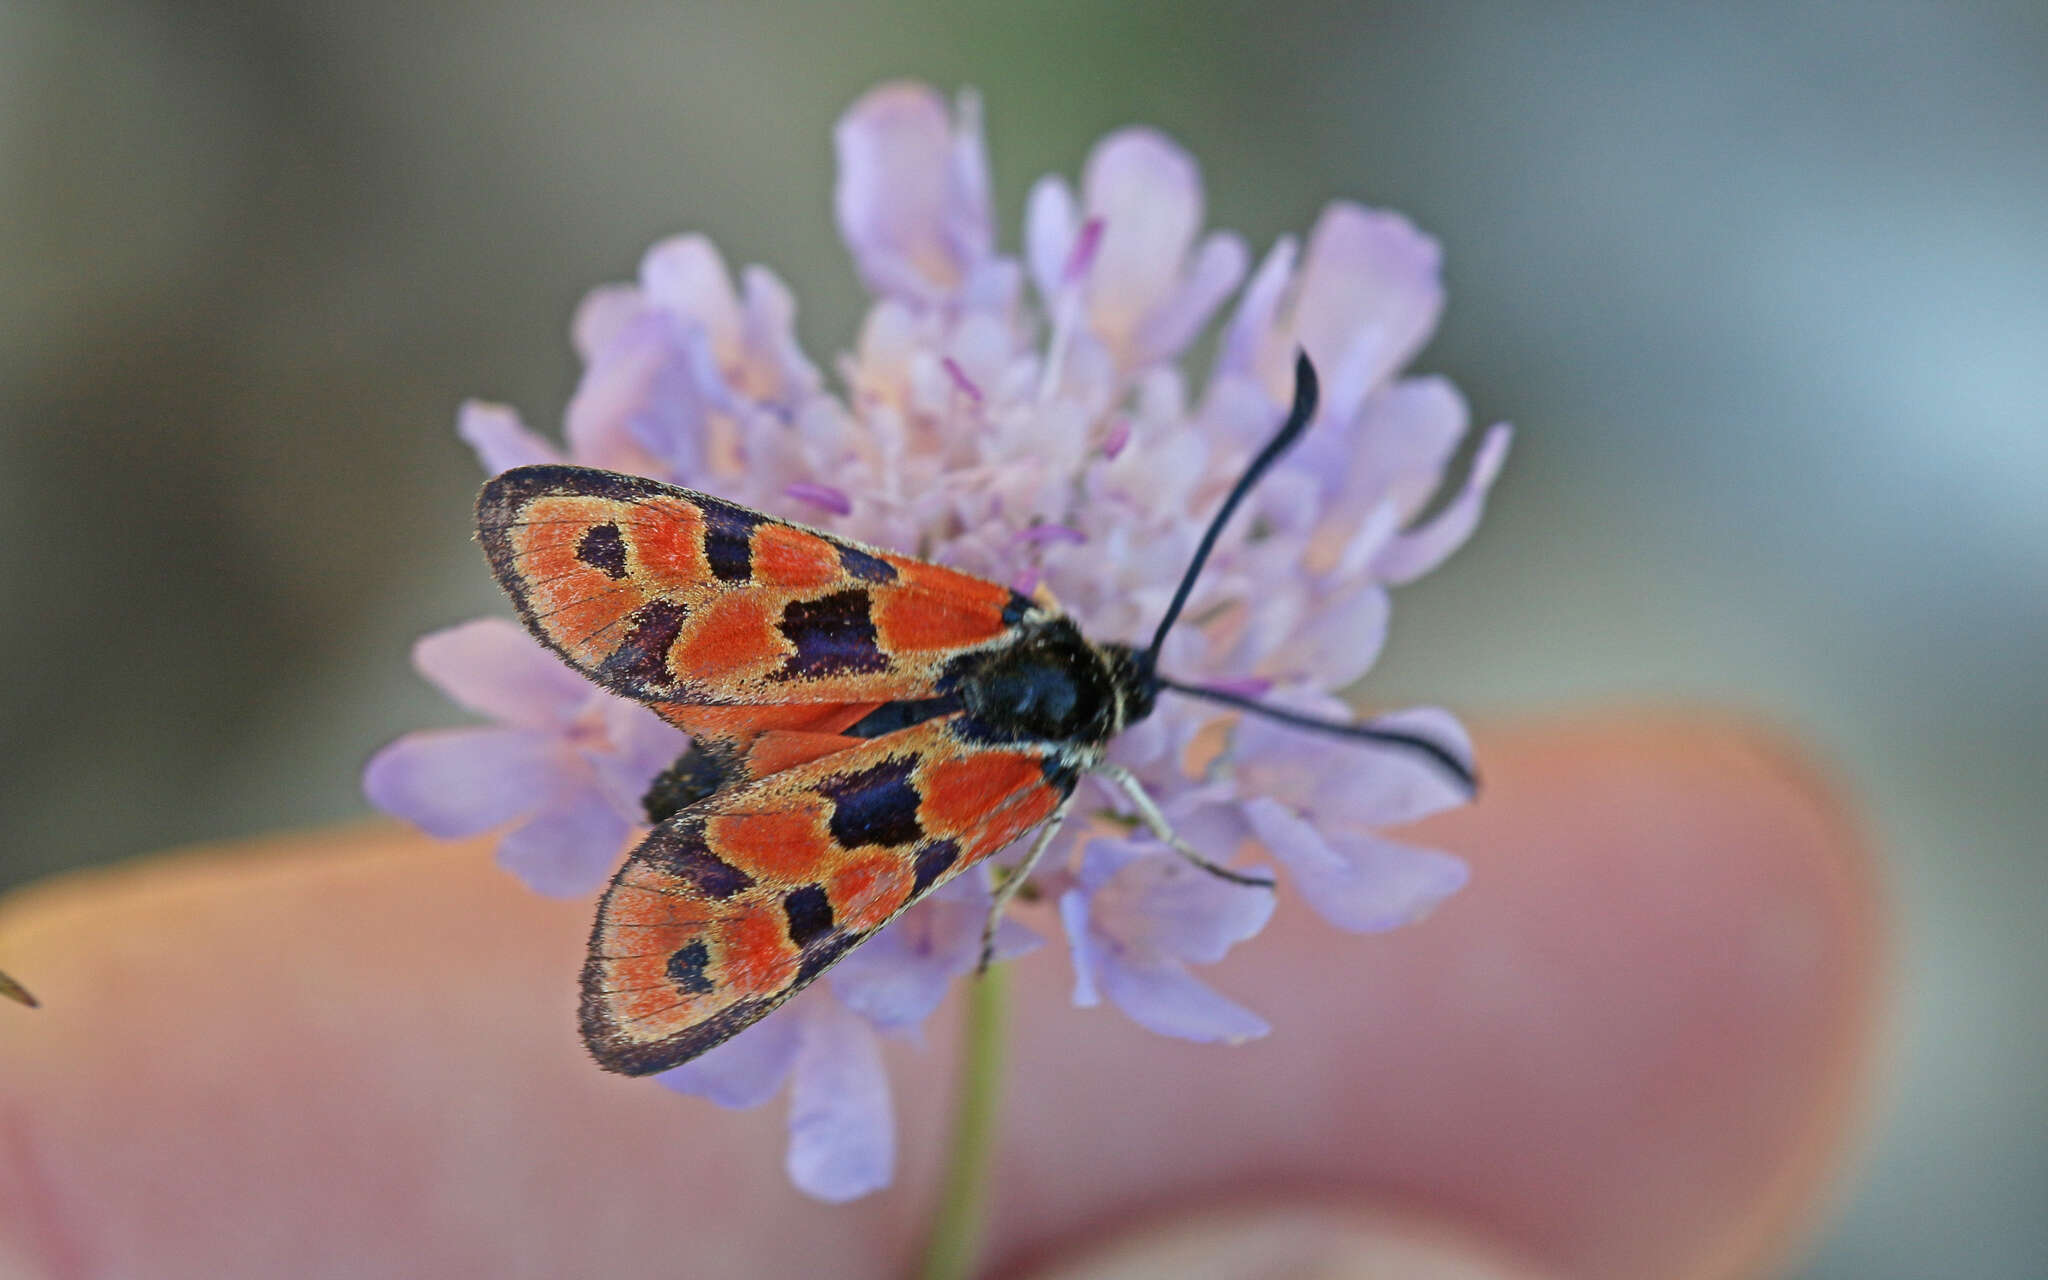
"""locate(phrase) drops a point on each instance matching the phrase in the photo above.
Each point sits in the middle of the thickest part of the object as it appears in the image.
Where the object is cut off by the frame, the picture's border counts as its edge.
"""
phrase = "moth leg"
(1149, 814)
(1008, 889)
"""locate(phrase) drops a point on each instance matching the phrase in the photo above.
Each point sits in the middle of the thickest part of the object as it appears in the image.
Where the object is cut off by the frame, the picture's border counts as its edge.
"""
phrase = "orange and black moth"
(864, 727)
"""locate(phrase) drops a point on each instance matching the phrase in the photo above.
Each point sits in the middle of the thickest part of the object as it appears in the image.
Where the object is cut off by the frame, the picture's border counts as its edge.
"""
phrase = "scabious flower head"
(1030, 421)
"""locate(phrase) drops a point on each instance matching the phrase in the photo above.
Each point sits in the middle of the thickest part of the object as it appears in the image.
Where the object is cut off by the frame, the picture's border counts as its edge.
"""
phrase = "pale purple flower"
(1042, 437)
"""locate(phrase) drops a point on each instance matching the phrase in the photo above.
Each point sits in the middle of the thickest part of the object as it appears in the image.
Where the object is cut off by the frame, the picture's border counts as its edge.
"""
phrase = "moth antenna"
(1435, 751)
(1306, 391)
(16, 992)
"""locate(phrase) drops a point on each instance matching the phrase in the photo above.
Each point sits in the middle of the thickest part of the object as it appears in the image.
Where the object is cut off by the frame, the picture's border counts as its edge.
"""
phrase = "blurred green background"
(1764, 287)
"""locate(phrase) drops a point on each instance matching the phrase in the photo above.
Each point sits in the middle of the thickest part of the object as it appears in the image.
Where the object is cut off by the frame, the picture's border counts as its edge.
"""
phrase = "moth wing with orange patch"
(737, 903)
(671, 596)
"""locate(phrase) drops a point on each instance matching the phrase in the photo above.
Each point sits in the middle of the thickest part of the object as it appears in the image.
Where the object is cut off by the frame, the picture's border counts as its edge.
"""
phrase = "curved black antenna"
(1305, 394)
(1364, 732)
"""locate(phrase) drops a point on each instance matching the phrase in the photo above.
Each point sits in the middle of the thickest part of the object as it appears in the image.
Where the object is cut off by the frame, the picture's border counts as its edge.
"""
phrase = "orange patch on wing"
(586, 612)
(653, 1002)
(780, 749)
(668, 544)
(639, 973)
(786, 557)
(701, 721)
(728, 635)
(1023, 813)
(869, 892)
(755, 954)
(778, 844)
(959, 791)
(931, 607)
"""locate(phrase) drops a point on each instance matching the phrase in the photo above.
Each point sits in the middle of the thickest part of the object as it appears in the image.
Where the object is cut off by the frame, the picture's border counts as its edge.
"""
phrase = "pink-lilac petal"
(1417, 552)
(1251, 326)
(1136, 915)
(1363, 785)
(602, 316)
(687, 276)
(1172, 324)
(1335, 646)
(1370, 293)
(1164, 905)
(842, 1125)
(493, 667)
(643, 404)
(1148, 193)
(823, 496)
(746, 1070)
(1356, 881)
(567, 850)
(906, 205)
(1162, 997)
(1406, 435)
(452, 783)
(634, 746)
(1051, 221)
(500, 439)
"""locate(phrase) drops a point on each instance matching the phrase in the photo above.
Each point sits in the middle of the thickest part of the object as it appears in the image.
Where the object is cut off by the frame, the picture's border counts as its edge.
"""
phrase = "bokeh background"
(1765, 288)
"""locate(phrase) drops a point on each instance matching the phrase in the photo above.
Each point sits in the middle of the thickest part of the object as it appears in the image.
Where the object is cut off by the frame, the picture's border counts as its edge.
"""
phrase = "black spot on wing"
(678, 848)
(640, 663)
(931, 863)
(833, 635)
(867, 568)
(808, 911)
(686, 967)
(728, 540)
(601, 547)
(874, 806)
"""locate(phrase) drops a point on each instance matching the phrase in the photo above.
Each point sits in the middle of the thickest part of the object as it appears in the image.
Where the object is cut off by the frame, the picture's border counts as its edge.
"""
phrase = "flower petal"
(638, 745)
(687, 276)
(642, 402)
(493, 667)
(746, 1070)
(912, 198)
(1160, 905)
(500, 439)
(567, 850)
(602, 316)
(842, 1127)
(1418, 551)
(1162, 997)
(1356, 881)
(459, 782)
(1250, 326)
(1218, 267)
(1370, 294)
(1148, 193)
(1051, 221)
(1083, 946)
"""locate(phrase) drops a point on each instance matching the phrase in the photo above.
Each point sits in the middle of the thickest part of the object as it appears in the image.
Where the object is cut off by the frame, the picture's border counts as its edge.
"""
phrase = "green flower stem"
(963, 1211)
